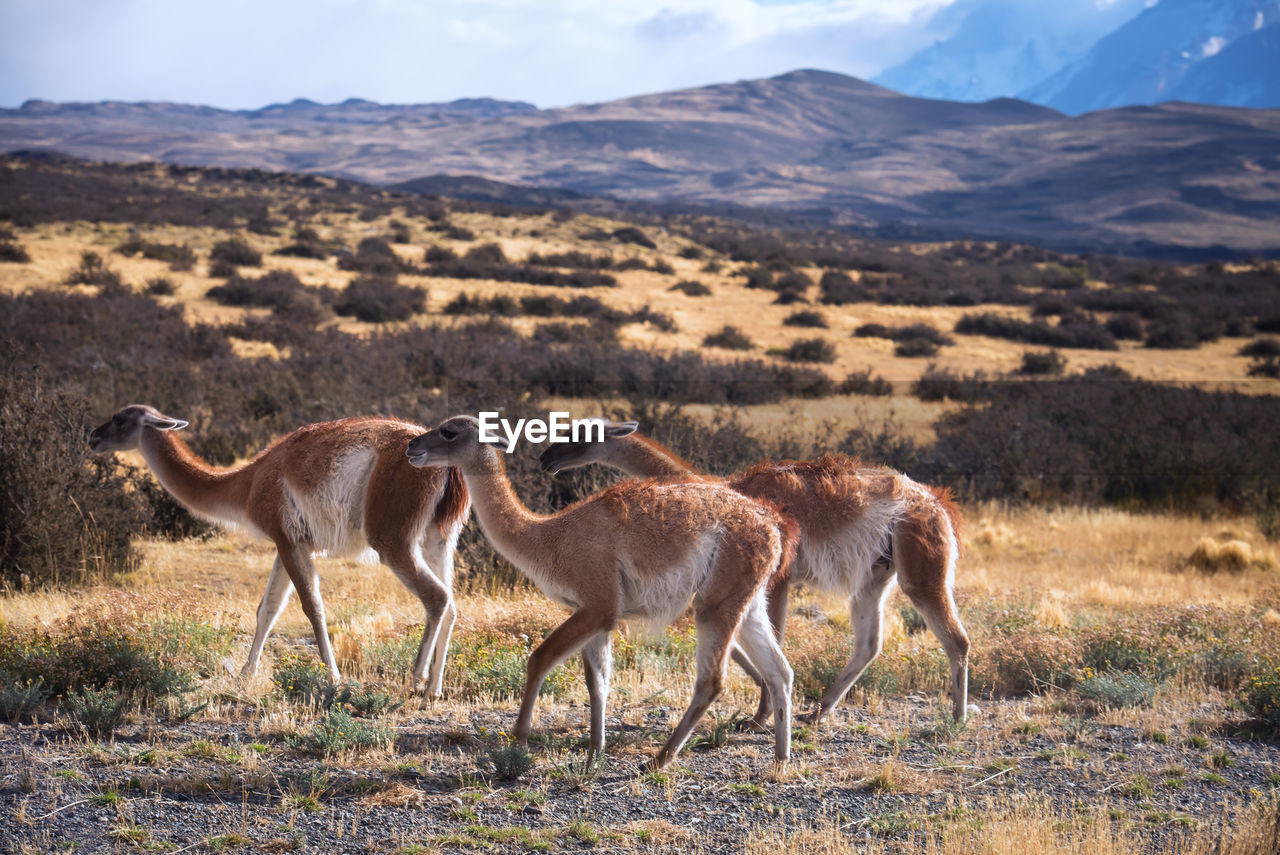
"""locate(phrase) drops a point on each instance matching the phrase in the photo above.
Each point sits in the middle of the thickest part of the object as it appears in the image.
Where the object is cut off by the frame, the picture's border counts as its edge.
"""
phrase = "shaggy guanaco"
(339, 487)
(861, 527)
(639, 550)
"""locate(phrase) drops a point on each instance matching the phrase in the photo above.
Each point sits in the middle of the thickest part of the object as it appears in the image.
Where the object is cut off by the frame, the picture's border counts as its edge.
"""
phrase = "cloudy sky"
(248, 53)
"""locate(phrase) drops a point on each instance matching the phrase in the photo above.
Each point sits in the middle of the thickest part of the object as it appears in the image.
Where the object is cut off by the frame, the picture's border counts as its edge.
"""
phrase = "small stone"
(532, 810)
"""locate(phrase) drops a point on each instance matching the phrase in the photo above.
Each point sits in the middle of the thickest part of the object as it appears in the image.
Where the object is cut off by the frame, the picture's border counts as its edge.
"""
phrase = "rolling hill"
(816, 144)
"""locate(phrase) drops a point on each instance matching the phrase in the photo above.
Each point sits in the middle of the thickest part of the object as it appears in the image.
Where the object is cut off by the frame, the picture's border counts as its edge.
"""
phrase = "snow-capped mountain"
(1148, 59)
(994, 48)
(1246, 73)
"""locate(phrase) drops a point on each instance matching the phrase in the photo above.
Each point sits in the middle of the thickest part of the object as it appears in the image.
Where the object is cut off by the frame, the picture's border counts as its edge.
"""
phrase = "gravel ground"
(236, 785)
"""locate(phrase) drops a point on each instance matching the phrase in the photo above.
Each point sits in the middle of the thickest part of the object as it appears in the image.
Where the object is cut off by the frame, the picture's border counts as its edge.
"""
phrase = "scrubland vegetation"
(1118, 580)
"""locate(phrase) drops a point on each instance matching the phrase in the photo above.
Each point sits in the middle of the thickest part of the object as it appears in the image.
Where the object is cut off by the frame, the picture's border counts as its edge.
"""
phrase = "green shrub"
(371, 703)
(1117, 688)
(1261, 699)
(493, 665)
(98, 711)
(338, 732)
(508, 762)
(20, 698)
(303, 680)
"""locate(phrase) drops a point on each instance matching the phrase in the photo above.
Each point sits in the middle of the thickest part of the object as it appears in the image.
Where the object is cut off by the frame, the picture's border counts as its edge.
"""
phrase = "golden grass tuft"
(1227, 553)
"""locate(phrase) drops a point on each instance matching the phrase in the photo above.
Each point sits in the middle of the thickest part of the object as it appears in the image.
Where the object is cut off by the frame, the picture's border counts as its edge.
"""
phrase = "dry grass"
(906, 780)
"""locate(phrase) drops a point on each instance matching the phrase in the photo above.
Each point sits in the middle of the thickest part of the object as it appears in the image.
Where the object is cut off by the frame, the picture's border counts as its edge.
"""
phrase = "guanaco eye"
(448, 433)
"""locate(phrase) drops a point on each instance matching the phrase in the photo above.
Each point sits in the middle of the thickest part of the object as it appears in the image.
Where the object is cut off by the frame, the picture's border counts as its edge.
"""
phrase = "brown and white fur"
(639, 550)
(340, 488)
(861, 528)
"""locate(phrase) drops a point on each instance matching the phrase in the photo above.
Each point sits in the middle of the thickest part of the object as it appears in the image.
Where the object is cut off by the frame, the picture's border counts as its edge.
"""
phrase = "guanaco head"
(453, 442)
(124, 431)
(560, 456)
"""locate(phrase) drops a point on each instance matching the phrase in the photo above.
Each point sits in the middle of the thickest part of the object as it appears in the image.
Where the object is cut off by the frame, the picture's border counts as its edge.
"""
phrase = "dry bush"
(68, 516)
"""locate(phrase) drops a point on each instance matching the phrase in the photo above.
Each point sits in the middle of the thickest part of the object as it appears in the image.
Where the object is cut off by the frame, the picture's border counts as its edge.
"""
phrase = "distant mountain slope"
(821, 146)
(993, 48)
(1246, 73)
(1144, 61)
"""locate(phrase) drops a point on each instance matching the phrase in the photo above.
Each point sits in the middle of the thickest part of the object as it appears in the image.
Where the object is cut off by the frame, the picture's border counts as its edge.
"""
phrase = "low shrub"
(792, 281)
(236, 252)
(374, 257)
(378, 300)
(98, 711)
(338, 732)
(1041, 363)
(19, 699)
(492, 665)
(908, 332)
(160, 286)
(68, 516)
(838, 289)
(572, 258)
(509, 762)
(809, 350)
(276, 289)
(303, 680)
(1261, 347)
(1078, 331)
(1261, 699)
(862, 383)
(1126, 326)
(13, 252)
(912, 347)
(806, 318)
(180, 257)
(728, 337)
(76, 657)
(1264, 366)
(691, 288)
(93, 270)
(631, 234)
(1117, 689)
(465, 304)
(486, 255)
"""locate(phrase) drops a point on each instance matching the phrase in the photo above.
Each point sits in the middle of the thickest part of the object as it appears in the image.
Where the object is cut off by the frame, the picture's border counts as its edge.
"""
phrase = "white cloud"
(245, 53)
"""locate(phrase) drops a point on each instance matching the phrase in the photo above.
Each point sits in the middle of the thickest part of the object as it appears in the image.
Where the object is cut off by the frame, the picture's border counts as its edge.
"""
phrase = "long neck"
(641, 457)
(514, 530)
(217, 494)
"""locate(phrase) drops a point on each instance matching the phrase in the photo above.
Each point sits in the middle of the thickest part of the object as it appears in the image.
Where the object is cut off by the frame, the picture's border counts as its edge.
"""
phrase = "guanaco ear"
(617, 430)
(163, 422)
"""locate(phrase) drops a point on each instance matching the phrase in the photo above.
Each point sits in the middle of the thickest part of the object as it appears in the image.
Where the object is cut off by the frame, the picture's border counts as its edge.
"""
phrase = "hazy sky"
(248, 53)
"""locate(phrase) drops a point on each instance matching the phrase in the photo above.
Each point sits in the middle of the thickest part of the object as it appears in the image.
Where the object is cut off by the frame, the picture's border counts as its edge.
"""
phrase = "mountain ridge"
(808, 142)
